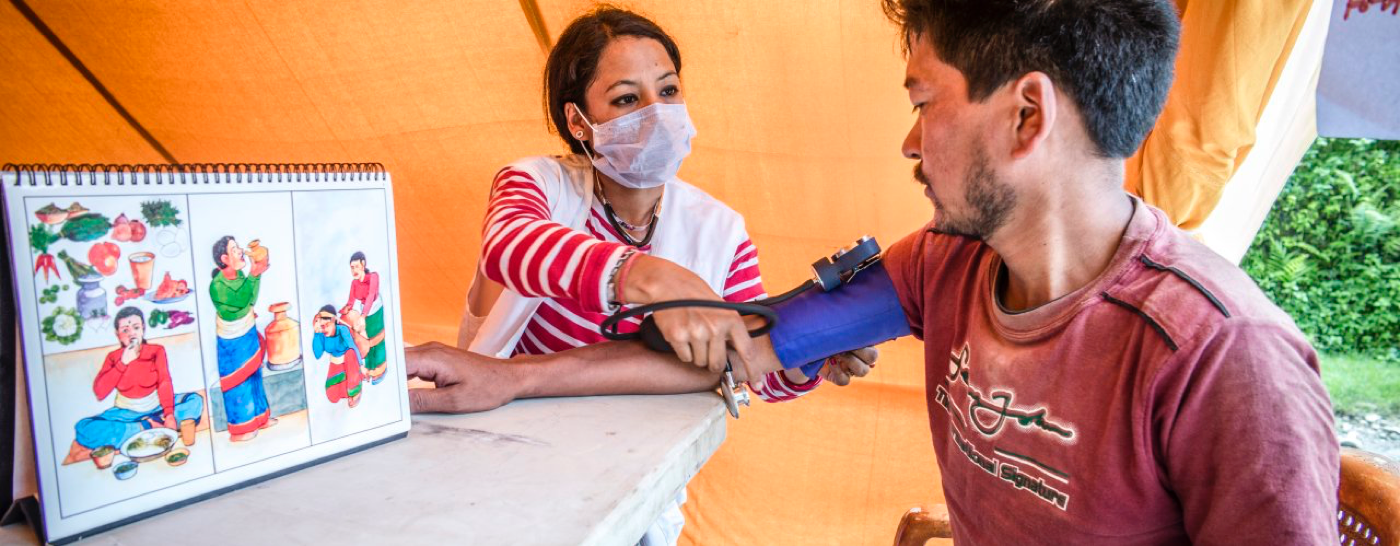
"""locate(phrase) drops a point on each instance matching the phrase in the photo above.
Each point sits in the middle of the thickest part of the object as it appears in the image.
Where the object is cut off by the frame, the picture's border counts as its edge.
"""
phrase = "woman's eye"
(670, 91)
(624, 100)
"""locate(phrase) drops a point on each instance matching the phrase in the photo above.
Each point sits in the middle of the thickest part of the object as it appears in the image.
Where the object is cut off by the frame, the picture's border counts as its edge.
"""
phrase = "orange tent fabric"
(800, 115)
(1231, 56)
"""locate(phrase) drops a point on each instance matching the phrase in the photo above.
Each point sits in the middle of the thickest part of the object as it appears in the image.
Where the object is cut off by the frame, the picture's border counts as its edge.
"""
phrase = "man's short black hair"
(1114, 58)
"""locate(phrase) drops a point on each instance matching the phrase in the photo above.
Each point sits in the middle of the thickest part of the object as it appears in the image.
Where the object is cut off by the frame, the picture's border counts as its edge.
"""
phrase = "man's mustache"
(919, 173)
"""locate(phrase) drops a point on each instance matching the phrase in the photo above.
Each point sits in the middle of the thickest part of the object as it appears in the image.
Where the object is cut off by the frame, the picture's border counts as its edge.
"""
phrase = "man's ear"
(1035, 110)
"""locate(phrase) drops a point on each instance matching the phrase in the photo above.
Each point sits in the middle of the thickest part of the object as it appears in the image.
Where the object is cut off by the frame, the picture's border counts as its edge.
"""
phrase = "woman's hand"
(700, 335)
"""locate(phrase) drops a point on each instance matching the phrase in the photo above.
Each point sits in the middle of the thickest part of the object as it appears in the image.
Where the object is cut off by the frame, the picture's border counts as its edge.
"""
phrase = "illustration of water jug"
(283, 339)
(92, 298)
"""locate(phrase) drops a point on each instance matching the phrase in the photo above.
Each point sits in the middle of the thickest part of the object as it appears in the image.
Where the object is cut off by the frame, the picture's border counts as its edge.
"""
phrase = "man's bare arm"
(468, 382)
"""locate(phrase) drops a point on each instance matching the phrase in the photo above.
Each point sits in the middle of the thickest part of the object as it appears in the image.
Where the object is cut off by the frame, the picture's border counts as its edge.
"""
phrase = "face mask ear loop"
(587, 149)
(597, 184)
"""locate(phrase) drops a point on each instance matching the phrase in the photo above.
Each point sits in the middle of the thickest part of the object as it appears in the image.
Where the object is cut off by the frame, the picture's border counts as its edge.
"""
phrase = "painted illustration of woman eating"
(146, 398)
(240, 346)
(333, 337)
(364, 311)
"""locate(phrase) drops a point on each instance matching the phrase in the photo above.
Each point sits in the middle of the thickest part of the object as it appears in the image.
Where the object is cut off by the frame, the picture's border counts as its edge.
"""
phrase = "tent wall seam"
(91, 78)
(531, 8)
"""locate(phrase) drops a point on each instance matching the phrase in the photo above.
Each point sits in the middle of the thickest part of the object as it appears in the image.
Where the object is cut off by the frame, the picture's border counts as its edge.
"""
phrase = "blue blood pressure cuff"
(814, 325)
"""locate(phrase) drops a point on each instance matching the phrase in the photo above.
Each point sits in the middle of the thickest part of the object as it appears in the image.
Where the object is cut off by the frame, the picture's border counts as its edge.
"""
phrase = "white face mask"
(643, 149)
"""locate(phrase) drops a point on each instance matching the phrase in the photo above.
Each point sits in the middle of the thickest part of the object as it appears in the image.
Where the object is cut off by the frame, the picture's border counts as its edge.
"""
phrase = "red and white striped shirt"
(529, 253)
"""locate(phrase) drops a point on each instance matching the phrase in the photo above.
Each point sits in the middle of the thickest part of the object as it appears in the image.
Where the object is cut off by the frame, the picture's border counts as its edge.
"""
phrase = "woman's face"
(632, 73)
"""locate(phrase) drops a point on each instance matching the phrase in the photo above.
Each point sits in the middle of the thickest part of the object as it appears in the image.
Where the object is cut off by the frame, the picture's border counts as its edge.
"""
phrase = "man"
(240, 347)
(1094, 375)
(145, 394)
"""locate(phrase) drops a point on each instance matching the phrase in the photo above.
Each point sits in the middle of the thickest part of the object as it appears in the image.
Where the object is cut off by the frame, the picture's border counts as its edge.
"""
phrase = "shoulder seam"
(1171, 344)
(1189, 280)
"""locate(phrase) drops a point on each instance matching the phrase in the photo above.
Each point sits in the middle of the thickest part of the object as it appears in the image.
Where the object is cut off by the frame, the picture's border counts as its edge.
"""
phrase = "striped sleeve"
(746, 284)
(531, 254)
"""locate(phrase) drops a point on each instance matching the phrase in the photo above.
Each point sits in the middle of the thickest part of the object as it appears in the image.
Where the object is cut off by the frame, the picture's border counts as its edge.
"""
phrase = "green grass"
(1360, 384)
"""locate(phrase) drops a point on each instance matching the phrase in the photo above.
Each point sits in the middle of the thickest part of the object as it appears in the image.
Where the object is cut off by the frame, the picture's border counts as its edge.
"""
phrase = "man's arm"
(1247, 436)
(468, 382)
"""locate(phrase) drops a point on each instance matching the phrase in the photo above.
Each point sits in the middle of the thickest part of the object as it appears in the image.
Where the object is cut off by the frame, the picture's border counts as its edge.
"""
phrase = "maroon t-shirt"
(1168, 401)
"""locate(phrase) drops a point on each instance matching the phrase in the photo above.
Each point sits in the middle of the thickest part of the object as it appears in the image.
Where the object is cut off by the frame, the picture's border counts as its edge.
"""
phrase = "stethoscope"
(828, 273)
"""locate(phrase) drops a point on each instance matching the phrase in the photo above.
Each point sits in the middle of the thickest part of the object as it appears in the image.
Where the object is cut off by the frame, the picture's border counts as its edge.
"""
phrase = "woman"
(574, 238)
(240, 346)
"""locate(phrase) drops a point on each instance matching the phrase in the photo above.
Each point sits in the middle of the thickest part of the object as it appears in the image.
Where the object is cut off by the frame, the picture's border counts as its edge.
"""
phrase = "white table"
(595, 470)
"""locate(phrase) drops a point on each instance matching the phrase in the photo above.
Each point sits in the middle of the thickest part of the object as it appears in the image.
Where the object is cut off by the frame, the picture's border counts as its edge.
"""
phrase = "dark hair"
(574, 59)
(220, 249)
(1114, 59)
(128, 312)
(359, 257)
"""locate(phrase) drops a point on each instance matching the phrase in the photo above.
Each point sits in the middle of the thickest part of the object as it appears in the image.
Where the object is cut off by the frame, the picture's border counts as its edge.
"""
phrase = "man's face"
(233, 257)
(357, 270)
(130, 330)
(952, 139)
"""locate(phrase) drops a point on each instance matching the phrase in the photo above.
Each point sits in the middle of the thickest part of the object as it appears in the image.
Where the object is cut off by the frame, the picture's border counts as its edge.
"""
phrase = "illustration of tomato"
(103, 257)
(138, 231)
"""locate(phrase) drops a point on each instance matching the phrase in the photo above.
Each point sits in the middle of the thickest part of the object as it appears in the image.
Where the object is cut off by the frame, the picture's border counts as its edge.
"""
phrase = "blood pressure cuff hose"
(816, 324)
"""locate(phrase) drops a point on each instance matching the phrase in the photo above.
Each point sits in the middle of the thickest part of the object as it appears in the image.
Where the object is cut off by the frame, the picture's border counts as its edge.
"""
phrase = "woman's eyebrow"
(620, 82)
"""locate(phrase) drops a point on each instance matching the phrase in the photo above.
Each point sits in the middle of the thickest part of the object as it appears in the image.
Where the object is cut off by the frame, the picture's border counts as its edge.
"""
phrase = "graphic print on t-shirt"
(988, 413)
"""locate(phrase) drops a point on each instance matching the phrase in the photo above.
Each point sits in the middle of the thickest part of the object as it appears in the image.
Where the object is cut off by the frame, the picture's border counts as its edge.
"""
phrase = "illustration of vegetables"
(51, 214)
(124, 294)
(51, 293)
(88, 227)
(75, 267)
(121, 229)
(103, 256)
(128, 231)
(158, 317)
(180, 318)
(160, 213)
(138, 231)
(40, 237)
(63, 326)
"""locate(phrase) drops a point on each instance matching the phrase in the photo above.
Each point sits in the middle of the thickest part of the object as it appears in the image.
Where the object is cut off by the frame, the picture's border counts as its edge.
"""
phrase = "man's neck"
(1060, 244)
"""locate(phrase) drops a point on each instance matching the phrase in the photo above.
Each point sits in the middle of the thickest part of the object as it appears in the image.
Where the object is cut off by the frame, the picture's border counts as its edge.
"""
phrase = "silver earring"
(579, 135)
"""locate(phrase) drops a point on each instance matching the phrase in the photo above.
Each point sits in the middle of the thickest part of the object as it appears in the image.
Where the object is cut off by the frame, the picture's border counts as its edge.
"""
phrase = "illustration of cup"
(142, 265)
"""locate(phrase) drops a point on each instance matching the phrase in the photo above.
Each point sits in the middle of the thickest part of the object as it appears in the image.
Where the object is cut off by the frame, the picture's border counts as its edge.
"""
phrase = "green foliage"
(88, 227)
(1329, 252)
(1361, 385)
(40, 237)
(160, 213)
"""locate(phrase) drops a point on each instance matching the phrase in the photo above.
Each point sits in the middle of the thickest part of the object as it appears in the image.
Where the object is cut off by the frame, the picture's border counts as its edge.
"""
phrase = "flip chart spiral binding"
(101, 174)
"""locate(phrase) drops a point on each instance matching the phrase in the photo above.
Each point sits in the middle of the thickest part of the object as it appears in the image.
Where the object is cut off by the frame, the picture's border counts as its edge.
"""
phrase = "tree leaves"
(1329, 252)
